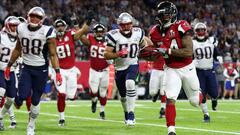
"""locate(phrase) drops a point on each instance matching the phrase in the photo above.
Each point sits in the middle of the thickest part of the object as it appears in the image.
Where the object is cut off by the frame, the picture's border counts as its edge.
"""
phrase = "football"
(148, 53)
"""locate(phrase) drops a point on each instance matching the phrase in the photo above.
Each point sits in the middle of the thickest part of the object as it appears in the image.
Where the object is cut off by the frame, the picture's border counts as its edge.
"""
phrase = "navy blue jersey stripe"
(142, 36)
(111, 38)
(49, 32)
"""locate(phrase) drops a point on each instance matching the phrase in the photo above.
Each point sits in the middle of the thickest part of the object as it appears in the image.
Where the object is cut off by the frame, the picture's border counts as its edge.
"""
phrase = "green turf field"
(80, 120)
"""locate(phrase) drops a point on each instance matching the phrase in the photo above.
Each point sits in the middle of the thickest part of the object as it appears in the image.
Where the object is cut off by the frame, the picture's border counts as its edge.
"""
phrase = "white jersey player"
(123, 46)
(36, 43)
(8, 41)
(204, 49)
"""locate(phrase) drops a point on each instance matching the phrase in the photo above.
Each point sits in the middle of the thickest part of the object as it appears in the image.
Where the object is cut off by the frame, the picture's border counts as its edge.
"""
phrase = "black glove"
(89, 17)
(161, 50)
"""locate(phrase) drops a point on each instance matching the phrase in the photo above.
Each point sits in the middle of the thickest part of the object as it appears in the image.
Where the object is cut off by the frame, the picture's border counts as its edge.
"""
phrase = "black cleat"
(214, 104)
(126, 117)
(171, 133)
(61, 123)
(155, 98)
(206, 118)
(162, 113)
(13, 125)
(1, 126)
(102, 115)
(94, 106)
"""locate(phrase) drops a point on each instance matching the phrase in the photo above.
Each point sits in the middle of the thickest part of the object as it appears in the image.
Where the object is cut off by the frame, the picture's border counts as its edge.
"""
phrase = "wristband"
(57, 70)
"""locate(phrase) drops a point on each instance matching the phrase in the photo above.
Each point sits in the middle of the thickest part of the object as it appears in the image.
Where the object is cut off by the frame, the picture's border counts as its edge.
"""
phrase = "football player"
(123, 46)
(8, 41)
(174, 36)
(205, 51)
(36, 44)
(99, 71)
(66, 54)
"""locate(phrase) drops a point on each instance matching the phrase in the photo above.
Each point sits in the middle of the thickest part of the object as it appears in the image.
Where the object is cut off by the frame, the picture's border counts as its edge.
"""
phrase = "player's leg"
(154, 84)
(28, 102)
(171, 86)
(121, 83)
(131, 93)
(94, 80)
(38, 85)
(163, 96)
(12, 119)
(61, 104)
(202, 76)
(103, 92)
(212, 89)
(2, 93)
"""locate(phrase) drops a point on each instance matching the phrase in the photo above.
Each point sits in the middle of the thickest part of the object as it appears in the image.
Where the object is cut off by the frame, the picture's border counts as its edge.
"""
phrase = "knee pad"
(2, 92)
(194, 101)
(130, 84)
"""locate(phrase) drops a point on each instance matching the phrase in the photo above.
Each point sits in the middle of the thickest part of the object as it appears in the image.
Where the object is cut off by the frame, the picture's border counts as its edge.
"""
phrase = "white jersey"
(118, 41)
(34, 44)
(203, 53)
(7, 45)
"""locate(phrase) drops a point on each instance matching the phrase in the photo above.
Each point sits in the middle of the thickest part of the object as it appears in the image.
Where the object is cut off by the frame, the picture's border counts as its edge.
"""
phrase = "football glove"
(122, 53)
(58, 79)
(7, 73)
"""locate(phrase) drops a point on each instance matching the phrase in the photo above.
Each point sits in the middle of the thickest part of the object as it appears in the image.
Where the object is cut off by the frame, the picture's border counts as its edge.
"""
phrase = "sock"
(11, 114)
(2, 101)
(102, 108)
(61, 116)
(170, 114)
(131, 103)
(171, 129)
(163, 101)
(124, 104)
(204, 108)
(103, 102)
(28, 103)
(34, 111)
(61, 102)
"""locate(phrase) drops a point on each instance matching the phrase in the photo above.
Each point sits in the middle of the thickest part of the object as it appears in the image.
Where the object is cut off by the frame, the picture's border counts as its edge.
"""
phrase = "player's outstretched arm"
(85, 27)
(16, 53)
(110, 54)
(53, 52)
(85, 40)
(187, 47)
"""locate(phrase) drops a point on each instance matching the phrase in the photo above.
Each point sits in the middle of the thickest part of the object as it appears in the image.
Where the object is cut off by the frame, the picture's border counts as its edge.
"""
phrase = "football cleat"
(1, 126)
(30, 130)
(206, 118)
(126, 117)
(162, 113)
(171, 133)
(61, 123)
(13, 125)
(94, 106)
(16, 106)
(131, 119)
(102, 115)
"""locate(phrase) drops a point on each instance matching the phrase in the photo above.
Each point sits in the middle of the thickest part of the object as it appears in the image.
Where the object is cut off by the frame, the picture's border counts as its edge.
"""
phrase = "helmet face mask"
(61, 27)
(200, 30)
(99, 31)
(36, 16)
(11, 24)
(125, 23)
(166, 14)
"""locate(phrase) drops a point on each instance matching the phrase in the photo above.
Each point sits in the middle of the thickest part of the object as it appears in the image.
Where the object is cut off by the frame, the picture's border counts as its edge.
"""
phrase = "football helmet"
(99, 31)
(11, 24)
(22, 19)
(125, 22)
(200, 30)
(166, 14)
(36, 16)
(60, 26)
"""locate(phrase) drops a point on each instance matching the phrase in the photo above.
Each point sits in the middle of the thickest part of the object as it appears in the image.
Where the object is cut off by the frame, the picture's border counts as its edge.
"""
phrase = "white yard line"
(138, 123)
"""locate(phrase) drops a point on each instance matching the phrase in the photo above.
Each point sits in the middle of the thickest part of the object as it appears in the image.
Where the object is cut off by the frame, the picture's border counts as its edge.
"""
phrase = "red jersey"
(65, 50)
(172, 39)
(97, 60)
(158, 64)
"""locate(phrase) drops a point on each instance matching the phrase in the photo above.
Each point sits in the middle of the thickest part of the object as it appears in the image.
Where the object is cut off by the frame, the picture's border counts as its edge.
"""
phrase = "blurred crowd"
(221, 16)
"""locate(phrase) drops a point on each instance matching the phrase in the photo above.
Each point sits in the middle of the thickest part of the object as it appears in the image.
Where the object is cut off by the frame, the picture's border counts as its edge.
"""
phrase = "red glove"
(122, 53)
(7, 73)
(58, 79)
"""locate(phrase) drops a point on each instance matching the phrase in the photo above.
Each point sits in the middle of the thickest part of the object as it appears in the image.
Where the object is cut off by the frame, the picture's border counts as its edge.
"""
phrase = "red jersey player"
(66, 54)
(99, 72)
(175, 43)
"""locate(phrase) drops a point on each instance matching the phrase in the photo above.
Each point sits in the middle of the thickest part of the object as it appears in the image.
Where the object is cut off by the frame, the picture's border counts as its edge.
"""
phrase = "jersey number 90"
(31, 46)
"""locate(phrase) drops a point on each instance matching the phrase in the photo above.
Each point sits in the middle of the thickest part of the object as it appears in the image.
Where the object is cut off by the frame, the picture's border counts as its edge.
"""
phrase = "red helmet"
(36, 12)
(200, 30)
(10, 22)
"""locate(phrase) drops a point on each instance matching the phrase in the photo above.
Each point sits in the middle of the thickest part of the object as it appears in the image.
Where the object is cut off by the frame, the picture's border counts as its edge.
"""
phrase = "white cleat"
(30, 130)
(131, 123)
